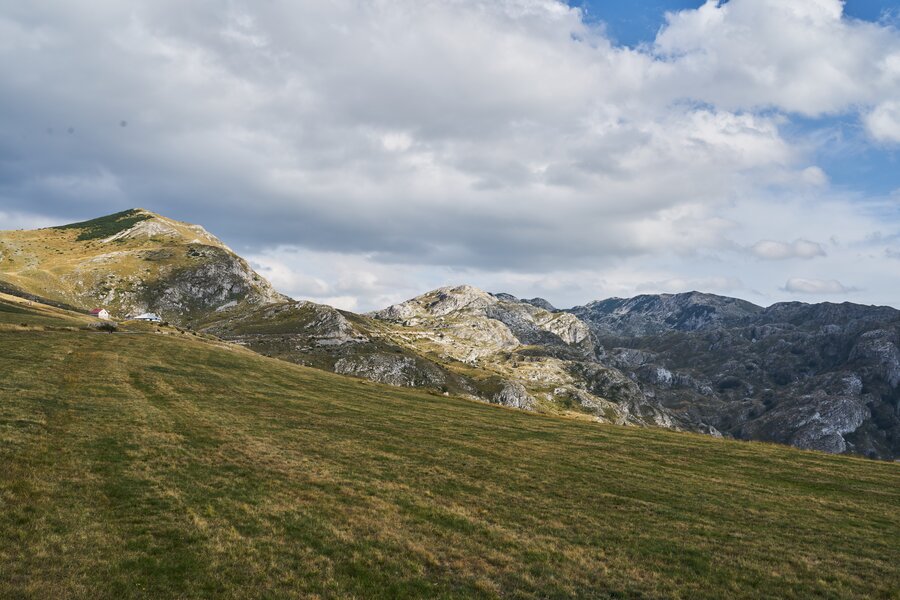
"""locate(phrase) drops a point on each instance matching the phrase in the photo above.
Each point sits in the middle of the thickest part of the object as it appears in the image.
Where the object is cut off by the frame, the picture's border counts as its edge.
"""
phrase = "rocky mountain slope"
(131, 262)
(459, 340)
(821, 376)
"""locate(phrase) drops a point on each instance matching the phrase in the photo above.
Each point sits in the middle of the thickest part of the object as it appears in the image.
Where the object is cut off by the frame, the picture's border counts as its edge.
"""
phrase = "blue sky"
(633, 23)
(360, 153)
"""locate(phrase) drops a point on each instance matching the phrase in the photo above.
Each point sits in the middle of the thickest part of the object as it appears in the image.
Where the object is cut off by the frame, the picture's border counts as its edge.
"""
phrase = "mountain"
(820, 376)
(653, 314)
(458, 340)
(153, 463)
(131, 262)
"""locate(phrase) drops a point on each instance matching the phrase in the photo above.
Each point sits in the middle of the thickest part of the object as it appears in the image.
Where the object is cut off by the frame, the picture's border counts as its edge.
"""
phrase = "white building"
(150, 317)
(101, 313)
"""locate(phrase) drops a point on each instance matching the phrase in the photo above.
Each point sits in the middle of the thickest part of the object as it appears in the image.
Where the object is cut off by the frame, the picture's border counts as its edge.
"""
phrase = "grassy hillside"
(147, 465)
(17, 313)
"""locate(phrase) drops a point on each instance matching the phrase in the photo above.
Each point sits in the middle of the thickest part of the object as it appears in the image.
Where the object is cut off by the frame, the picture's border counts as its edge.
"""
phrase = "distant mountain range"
(817, 376)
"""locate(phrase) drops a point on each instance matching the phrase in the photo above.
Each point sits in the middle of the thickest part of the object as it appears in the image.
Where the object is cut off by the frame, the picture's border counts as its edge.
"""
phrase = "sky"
(360, 152)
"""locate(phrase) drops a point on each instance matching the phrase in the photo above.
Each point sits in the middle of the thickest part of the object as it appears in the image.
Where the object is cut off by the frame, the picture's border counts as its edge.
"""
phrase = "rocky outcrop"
(634, 405)
(302, 324)
(440, 302)
(392, 369)
(211, 278)
(879, 349)
(815, 422)
(514, 395)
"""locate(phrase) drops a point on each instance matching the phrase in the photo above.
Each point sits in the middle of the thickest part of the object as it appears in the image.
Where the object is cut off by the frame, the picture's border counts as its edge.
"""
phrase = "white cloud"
(883, 123)
(20, 220)
(364, 151)
(772, 250)
(801, 285)
(800, 56)
(348, 281)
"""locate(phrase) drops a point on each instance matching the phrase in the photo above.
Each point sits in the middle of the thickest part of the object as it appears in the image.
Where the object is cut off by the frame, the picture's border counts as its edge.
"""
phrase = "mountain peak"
(138, 224)
(130, 262)
(439, 302)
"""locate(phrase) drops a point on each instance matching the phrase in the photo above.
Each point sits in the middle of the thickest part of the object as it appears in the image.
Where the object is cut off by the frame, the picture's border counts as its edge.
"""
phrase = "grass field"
(143, 465)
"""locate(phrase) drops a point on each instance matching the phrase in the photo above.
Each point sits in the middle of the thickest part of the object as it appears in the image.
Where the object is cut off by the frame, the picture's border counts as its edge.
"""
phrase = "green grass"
(107, 226)
(143, 465)
(20, 312)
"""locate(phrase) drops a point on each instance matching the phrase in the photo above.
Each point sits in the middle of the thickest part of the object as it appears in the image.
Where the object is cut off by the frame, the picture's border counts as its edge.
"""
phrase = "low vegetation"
(104, 227)
(143, 465)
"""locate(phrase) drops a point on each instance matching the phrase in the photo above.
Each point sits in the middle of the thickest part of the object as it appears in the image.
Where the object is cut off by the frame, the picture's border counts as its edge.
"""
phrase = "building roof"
(148, 316)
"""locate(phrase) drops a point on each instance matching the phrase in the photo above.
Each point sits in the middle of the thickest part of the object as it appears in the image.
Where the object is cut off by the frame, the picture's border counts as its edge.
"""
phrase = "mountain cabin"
(100, 313)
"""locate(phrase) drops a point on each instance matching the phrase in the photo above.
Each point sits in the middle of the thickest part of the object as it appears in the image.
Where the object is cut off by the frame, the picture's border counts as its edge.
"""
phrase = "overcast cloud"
(363, 152)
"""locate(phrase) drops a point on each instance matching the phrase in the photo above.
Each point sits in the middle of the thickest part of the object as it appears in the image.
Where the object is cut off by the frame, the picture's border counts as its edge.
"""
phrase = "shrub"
(107, 327)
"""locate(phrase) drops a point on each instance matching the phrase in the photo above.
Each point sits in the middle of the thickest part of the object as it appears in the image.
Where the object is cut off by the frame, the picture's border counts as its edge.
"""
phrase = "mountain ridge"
(820, 376)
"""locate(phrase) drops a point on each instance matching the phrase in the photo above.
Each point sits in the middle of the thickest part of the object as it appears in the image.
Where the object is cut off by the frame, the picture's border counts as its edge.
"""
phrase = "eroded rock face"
(880, 349)
(821, 376)
(612, 384)
(813, 422)
(214, 278)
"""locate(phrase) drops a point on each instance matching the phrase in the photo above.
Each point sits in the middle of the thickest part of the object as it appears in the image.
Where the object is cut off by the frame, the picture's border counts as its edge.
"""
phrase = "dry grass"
(146, 465)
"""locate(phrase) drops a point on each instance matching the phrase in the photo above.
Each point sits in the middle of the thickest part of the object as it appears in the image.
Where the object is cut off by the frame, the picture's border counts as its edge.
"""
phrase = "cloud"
(883, 123)
(772, 250)
(25, 220)
(800, 285)
(801, 56)
(420, 141)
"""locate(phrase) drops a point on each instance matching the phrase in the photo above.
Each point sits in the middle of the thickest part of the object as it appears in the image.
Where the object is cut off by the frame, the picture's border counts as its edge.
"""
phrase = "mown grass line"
(162, 466)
